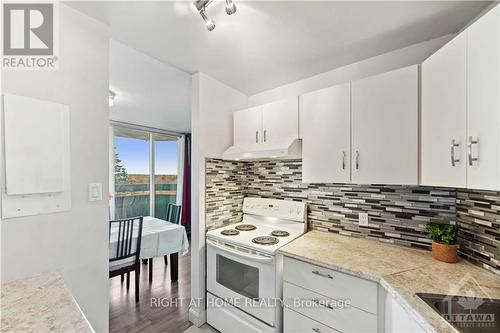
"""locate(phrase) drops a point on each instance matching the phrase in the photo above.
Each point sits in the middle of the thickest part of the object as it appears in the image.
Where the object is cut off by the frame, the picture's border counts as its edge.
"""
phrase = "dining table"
(159, 238)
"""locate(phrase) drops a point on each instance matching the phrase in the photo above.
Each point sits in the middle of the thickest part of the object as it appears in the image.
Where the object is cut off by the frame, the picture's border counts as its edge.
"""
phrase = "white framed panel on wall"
(36, 155)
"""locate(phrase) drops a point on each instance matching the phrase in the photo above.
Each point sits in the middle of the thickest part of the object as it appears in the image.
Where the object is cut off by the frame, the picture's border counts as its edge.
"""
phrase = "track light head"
(209, 23)
(111, 98)
(230, 7)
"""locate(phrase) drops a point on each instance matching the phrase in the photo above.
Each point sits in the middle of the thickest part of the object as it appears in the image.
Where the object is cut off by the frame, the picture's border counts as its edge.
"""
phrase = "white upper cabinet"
(385, 128)
(325, 127)
(248, 127)
(483, 102)
(280, 121)
(461, 109)
(443, 138)
(272, 123)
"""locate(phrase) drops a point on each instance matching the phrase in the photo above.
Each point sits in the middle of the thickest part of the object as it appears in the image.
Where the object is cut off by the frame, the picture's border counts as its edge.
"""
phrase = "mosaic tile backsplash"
(224, 192)
(396, 213)
(478, 215)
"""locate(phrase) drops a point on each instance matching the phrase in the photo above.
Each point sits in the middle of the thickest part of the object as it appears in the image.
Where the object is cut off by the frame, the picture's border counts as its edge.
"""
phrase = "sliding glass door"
(165, 170)
(131, 169)
(143, 160)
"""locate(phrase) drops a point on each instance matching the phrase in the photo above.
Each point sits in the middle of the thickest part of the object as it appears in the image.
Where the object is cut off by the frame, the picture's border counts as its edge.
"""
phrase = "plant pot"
(443, 252)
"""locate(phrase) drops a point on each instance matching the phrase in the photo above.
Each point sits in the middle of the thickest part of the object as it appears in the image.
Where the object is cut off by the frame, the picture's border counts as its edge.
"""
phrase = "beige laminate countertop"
(40, 304)
(403, 272)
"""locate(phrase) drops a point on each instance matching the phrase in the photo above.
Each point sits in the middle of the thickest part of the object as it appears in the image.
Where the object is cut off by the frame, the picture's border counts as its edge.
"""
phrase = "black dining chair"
(173, 216)
(173, 213)
(125, 258)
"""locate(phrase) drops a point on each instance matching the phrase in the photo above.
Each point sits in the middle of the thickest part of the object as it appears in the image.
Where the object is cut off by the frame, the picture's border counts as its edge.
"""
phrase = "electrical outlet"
(363, 219)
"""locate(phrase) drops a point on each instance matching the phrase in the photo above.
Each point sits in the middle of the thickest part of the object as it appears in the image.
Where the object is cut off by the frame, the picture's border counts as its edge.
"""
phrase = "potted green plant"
(444, 240)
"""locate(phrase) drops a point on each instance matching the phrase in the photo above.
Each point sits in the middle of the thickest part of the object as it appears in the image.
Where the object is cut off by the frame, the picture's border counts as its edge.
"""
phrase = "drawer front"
(324, 310)
(362, 293)
(297, 323)
(228, 319)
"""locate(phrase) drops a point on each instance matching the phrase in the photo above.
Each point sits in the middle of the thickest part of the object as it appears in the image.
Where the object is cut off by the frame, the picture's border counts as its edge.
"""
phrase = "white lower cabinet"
(337, 313)
(398, 320)
(322, 300)
(297, 323)
(331, 300)
(361, 293)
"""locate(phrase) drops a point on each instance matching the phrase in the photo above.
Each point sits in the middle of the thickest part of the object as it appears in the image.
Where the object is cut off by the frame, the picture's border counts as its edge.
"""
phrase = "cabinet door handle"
(357, 159)
(256, 136)
(265, 135)
(343, 160)
(322, 274)
(453, 145)
(472, 142)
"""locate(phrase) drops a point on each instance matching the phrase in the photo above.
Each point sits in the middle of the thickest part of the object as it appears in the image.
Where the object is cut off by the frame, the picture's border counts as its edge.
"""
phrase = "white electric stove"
(243, 272)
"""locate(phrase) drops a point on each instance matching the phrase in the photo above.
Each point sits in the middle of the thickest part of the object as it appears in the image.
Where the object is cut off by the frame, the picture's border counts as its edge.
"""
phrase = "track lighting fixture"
(201, 7)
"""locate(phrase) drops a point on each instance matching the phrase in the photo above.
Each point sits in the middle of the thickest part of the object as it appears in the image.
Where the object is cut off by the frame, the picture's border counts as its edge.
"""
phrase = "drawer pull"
(317, 330)
(322, 274)
(323, 304)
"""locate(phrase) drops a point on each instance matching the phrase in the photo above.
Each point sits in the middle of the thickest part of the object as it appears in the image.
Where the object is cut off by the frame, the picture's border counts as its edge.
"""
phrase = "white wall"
(407, 56)
(73, 243)
(212, 133)
(148, 92)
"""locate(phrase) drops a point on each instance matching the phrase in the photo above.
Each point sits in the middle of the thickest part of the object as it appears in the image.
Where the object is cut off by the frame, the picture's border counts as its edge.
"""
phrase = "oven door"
(244, 279)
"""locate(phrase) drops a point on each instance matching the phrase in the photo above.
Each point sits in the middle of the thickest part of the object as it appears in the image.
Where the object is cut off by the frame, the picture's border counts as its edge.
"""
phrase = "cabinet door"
(444, 116)
(483, 102)
(385, 128)
(397, 319)
(280, 121)
(325, 126)
(248, 127)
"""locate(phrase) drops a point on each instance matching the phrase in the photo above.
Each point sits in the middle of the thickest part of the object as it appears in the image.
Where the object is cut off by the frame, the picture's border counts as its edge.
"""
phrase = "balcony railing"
(133, 199)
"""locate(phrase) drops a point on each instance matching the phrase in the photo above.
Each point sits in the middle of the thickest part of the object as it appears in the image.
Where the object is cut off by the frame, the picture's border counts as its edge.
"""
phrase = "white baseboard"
(198, 316)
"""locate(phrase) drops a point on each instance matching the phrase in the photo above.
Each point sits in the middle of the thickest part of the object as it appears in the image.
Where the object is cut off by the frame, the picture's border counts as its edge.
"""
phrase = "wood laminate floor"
(127, 316)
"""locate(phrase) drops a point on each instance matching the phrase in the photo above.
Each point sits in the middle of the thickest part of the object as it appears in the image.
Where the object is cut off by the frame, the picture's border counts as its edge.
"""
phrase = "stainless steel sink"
(466, 314)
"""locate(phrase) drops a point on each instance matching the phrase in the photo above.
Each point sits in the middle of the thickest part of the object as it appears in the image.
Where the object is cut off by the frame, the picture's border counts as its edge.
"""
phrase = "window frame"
(150, 131)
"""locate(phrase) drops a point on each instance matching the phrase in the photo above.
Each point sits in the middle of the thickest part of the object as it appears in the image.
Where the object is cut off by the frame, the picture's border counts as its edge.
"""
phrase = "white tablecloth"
(159, 238)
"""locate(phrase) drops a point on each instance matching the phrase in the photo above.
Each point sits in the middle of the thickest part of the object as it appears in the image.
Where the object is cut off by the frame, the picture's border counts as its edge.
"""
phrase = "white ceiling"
(267, 44)
(148, 92)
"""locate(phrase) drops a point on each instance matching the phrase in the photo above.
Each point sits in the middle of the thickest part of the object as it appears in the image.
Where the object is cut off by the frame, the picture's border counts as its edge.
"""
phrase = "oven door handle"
(261, 259)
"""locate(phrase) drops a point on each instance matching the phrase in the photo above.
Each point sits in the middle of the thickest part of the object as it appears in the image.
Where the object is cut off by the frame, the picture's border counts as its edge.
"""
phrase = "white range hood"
(263, 151)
